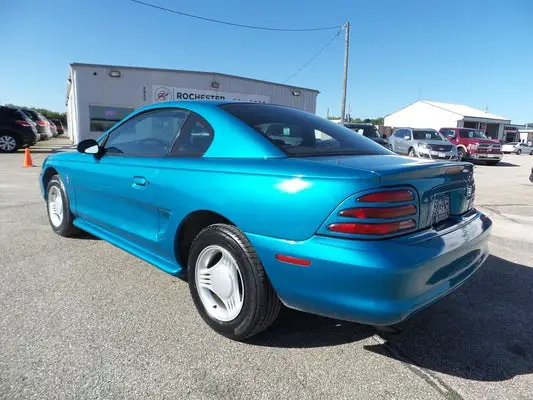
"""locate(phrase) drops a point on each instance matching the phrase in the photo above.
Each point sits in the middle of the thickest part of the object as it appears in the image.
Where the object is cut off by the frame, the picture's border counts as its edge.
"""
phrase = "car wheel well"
(189, 228)
(50, 171)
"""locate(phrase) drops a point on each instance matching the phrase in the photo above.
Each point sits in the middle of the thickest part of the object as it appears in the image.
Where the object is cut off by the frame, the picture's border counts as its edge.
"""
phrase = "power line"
(264, 28)
(314, 57)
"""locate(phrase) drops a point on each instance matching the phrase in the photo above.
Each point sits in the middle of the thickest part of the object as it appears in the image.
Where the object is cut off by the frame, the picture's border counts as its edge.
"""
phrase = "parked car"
(53, 128)
(351, 231)
(16, 130)
(472, 144)
(43, 126)
(369, 131)
(59, 126)
(425, 143)
(517, 148)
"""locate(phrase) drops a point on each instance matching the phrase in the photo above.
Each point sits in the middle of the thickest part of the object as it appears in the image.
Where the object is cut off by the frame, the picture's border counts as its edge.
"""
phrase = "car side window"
(194, 137)
(146, 135)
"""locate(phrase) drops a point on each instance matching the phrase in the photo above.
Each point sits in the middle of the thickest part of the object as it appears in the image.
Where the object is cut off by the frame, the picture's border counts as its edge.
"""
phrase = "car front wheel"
(461, 154)
(518, 152)
(58, 207)
(412, 152)
(228, 284)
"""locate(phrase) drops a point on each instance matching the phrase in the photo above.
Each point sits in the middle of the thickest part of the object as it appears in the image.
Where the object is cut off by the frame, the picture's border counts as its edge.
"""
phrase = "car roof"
(235, 131)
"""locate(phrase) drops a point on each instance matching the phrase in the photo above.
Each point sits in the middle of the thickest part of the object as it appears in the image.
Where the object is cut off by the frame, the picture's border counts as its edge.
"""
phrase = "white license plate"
(441, 209)
(442, 155)
(494, 155)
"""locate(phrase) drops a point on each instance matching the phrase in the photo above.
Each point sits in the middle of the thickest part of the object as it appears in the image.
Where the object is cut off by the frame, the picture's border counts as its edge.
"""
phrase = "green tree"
(47, 113)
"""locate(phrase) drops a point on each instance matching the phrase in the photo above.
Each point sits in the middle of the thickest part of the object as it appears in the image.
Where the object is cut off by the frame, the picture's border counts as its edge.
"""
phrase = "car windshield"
(427, 135)
(472, 133)
(299, 133)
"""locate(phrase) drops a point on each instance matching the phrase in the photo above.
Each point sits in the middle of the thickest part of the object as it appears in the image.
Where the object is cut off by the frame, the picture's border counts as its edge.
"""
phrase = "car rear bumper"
(376, 282)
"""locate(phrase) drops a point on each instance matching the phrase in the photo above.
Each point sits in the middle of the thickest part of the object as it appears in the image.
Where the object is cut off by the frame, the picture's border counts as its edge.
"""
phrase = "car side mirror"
(407, 137)
(89, 146)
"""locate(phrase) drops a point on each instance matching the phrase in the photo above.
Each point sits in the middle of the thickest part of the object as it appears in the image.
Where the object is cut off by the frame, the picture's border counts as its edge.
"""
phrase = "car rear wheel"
(58, 207)
(8, 143)
(531, 153)
(228, 284)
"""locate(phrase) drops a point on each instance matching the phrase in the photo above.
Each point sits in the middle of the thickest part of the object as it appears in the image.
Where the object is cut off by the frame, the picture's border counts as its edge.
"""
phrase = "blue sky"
(477, 53)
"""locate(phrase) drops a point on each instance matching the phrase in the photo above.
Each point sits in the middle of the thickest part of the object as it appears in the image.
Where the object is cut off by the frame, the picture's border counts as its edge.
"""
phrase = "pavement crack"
(431, 379)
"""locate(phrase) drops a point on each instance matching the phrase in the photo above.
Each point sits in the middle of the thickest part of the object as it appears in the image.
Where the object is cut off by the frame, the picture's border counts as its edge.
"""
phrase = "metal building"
(432, 114)
(98, 96)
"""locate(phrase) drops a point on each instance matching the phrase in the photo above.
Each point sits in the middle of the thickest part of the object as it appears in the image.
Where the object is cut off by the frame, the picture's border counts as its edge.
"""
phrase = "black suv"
(367, 130)
(16, 130)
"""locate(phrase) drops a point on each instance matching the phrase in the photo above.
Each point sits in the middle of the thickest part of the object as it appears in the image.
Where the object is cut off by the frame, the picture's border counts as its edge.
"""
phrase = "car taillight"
(379, 212)
(22, 122)
(391, 196)
(42, 123)
(372, 229)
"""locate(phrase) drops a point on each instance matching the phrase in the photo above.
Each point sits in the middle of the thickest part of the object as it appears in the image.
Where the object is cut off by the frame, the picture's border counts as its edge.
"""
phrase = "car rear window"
(299, 133)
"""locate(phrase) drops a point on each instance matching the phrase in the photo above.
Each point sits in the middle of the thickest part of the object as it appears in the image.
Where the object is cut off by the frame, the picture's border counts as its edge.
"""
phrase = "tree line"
(374, 121)
(62, 116)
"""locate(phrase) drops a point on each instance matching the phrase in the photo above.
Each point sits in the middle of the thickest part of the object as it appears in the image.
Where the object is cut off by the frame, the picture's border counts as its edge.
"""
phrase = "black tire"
(411, 152)
(461, 154)
(518, 152)
(65, 228)
(6, 136)
(531, 153)
(261, 304)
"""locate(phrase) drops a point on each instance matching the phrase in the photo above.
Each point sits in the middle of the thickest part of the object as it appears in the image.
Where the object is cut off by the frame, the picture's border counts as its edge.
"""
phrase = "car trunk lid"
(438, 184)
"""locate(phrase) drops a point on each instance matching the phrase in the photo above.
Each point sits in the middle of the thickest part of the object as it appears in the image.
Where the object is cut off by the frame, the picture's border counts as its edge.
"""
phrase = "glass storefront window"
(103, 118)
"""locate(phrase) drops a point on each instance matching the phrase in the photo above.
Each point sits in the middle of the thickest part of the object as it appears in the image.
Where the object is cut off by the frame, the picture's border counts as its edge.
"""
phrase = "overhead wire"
(314, 57)
(264, 28)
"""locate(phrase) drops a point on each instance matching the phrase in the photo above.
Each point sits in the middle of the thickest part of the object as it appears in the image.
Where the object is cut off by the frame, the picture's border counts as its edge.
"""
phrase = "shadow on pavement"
(483, 331)
(295, 329)
(87, 236)
(503, 164)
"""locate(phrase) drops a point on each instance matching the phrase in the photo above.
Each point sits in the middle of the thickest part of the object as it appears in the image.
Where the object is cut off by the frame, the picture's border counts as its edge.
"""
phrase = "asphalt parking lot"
(80, 318)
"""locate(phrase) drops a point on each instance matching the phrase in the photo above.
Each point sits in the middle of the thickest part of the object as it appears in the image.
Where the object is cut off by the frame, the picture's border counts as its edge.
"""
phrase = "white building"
(98, 96)
(432, 114)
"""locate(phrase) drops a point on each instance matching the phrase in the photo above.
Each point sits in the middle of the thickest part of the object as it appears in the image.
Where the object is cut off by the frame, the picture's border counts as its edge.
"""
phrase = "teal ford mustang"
(260, 205)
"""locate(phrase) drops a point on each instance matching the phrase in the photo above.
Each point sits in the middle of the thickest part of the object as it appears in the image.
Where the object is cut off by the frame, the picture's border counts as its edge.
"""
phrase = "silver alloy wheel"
(219, 283)
(55, 206)
(7, 143)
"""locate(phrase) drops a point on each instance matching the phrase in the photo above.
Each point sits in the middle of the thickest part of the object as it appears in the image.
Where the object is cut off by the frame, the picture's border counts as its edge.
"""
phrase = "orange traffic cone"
(27, 158)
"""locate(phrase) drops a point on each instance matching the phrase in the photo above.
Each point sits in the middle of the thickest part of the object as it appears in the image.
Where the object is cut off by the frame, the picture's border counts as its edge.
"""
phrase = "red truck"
(472, 144)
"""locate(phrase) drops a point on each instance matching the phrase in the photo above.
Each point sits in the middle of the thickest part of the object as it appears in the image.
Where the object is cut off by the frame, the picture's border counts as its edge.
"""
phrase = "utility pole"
(345, 80)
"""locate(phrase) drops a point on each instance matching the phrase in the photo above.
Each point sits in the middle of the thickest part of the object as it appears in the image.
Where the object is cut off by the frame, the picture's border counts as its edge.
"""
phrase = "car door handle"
(140, 181)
